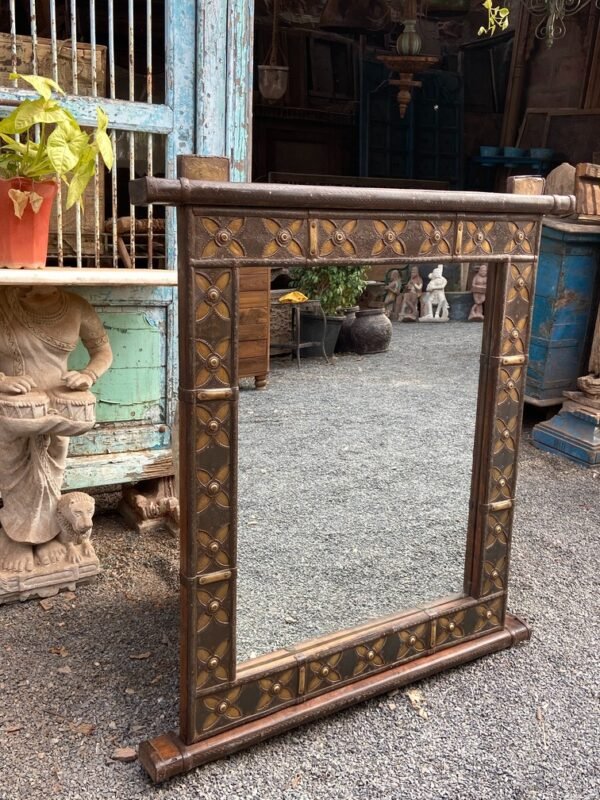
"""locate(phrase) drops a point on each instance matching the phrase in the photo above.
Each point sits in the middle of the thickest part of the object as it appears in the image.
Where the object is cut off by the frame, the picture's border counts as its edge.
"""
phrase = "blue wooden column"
(564, 309)
(224, 78)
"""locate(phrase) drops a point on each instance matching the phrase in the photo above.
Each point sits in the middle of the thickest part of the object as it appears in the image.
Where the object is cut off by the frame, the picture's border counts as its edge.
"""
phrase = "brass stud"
(437, 236)
(390, 236)
(325, 671)
(520, 282)
(222, 707)
(488, 614)
(502, 481)
(495, 573)
(213, 294)
(213, 488)
(514, 334)
(223, 236)
(506, 434)
(214, 547)
(213, 426)
(479, 237)
(370, 655)
(520, 236)
(412, 640)
(276, 688)
(213, 662)
(214, 606)
(498, 529)
(510, 385)
(284, 236)
(451, 626)
(213, 362)
(339, 237)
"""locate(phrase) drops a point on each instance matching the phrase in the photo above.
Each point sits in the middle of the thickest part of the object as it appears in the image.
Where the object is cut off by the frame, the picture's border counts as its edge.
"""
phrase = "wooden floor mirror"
(224, 228)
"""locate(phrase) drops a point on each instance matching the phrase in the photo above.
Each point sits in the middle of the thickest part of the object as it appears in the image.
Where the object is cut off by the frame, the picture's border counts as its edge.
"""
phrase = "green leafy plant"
(336, 287)
(40, 139)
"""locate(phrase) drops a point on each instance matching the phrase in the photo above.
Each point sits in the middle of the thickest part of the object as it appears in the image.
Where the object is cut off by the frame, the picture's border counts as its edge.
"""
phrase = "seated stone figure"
(42, 404)
(590, 384)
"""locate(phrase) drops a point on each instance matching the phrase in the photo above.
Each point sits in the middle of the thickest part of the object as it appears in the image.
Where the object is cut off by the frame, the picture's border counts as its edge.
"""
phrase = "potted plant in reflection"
(41, 144)
(337, 289)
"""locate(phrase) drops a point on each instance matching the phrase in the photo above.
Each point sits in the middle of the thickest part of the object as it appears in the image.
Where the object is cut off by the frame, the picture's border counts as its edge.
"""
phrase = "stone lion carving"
(74, 513)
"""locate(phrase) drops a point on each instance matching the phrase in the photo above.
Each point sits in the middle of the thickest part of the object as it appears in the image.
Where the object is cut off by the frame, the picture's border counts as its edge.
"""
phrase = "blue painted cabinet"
(564, 310)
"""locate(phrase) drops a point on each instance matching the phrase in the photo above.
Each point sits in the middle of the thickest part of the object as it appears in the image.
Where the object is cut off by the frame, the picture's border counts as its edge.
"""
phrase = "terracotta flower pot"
(25, 208)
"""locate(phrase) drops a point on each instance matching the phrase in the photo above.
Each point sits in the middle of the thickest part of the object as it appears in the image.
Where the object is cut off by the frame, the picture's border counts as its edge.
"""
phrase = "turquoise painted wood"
(136, 397)
(564, 310)
(224, 80)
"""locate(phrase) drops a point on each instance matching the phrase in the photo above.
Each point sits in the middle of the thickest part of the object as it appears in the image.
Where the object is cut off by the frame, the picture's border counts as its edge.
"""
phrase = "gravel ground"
(519, 724)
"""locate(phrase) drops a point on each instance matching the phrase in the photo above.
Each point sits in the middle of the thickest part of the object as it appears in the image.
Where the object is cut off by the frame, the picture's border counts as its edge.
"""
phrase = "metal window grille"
(111, 54)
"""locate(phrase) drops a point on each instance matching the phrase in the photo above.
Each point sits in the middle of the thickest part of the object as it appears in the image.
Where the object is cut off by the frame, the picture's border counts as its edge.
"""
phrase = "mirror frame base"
(167, 756)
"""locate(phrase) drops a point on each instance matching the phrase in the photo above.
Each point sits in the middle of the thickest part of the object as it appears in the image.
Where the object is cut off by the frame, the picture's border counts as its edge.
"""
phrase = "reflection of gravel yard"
(84, 674)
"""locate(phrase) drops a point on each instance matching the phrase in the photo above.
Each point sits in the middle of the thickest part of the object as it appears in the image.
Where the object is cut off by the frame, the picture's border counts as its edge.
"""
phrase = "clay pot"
(371, 331)
(24, 240)
(344, 342)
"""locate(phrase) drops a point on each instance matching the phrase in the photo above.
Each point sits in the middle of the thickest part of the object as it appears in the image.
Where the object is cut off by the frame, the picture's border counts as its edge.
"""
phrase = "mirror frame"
(224, 227)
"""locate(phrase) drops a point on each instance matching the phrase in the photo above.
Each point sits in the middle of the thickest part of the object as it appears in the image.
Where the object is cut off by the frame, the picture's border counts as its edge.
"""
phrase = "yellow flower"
(389, 237)
(210, 549)
(478, 240)
(211, 362)
(520, 237)
(324, 672)
(210, 606)
(222, 708)
(275, 689)
(211, 426)
(210, 665)
(450, 627)
(223, 238)
(412, 641)
(212, 301)
(284, 238)
(338, 237)
(369, 656)
(494, 575)
(436, 241)
(214, 488)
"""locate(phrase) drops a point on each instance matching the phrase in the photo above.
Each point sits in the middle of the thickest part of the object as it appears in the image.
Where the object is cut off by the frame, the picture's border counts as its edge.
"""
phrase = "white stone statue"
(42, 404)
(434, 296)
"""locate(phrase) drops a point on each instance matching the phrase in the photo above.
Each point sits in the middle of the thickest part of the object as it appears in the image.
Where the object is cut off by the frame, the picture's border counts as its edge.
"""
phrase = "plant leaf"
(43, 86)
(81, 177)
(65, 147)
(102, 139)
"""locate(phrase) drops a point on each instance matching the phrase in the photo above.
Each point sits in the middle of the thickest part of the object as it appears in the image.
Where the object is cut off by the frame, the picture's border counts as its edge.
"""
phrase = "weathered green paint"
(136, 405)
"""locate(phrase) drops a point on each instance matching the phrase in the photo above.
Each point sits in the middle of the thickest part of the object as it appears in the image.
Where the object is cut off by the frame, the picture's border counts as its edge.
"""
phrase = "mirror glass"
(354, 484)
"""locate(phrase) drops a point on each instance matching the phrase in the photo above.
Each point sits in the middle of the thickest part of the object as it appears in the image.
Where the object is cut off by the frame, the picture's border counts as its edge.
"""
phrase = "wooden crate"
(84, 88)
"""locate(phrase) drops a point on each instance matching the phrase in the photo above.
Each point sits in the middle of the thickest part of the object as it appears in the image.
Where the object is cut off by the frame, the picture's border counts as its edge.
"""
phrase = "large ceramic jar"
(344, 342)
(371, 331)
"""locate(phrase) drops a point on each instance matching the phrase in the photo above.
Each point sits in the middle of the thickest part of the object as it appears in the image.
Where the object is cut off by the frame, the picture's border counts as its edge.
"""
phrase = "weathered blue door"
(173, 77)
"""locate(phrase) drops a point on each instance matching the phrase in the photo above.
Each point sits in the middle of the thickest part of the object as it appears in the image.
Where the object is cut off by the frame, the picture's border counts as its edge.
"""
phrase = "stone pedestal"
(47, 581)
(574, 432)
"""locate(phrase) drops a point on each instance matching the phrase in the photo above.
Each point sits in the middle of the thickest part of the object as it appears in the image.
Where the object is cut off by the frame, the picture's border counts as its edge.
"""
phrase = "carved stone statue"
(435, 296)
(393, 296)
(409, 310)
(479, 288)
(42, 404)
(590, 384)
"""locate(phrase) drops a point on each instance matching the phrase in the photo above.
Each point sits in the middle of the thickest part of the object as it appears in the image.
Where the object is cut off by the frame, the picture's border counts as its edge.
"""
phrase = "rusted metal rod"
(204, 193)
